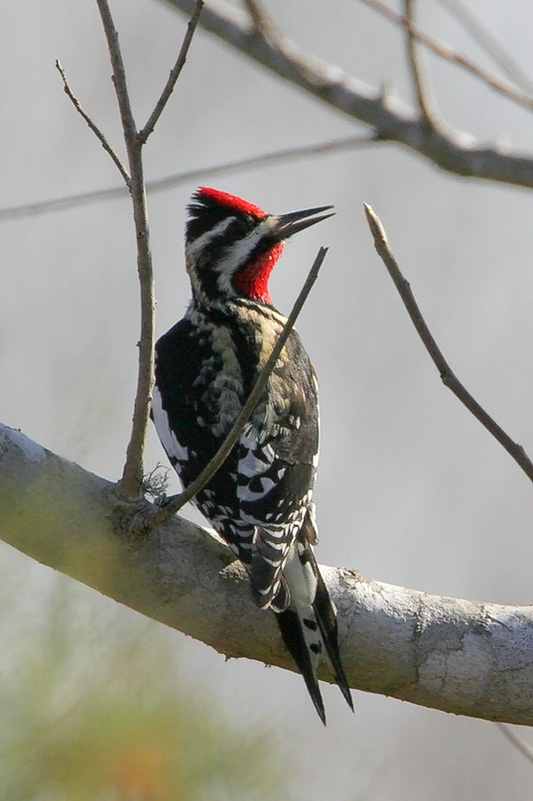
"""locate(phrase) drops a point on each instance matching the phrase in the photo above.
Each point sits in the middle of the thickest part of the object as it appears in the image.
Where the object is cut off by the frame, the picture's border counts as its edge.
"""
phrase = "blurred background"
(99, 703)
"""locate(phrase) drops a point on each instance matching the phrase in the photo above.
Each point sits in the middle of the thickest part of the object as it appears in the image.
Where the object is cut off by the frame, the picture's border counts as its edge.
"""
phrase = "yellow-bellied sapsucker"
(260, 500)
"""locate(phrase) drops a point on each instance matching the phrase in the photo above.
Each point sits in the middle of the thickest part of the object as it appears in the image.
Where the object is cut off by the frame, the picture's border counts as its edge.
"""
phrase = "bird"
(260, 501)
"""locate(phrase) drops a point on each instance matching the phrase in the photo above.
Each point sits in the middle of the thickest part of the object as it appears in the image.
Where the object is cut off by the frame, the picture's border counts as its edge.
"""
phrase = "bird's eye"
(241, 226)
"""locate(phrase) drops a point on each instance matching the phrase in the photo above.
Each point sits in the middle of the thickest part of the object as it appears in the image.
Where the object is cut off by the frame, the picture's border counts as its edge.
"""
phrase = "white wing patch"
(175, 451)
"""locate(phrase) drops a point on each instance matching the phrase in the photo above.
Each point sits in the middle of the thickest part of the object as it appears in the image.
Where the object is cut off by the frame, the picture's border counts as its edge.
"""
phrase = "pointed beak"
(288, 224)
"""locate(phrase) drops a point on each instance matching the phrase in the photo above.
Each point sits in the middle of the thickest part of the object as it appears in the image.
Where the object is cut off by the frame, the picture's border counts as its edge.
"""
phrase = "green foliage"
(93, 709)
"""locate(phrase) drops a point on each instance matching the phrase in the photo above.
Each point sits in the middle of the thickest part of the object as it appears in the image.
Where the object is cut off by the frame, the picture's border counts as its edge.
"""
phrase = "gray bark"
(459, 656)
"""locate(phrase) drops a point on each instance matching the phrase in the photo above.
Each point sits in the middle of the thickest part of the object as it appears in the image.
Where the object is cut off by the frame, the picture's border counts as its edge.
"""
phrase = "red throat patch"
(253, 280)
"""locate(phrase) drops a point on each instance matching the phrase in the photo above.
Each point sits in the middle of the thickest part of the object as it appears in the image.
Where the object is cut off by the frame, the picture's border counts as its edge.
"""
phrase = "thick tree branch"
(462, 657)
(390, 119)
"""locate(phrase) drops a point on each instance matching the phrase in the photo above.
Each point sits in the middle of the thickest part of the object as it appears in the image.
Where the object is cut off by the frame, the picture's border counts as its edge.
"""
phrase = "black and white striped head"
(232, 245)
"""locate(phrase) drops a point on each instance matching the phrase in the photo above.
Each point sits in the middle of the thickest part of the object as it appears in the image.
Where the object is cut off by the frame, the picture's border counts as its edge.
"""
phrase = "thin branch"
(145, 132)
(132, 475)
(522, 98)
(416, 67)
(199, 174)
(447, 376)
(518, 743)
(490, 44)
(175, 503)
(94, 128)
(119, 73)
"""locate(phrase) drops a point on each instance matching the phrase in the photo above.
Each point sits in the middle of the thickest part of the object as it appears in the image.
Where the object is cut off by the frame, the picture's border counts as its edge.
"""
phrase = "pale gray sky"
(411, 490)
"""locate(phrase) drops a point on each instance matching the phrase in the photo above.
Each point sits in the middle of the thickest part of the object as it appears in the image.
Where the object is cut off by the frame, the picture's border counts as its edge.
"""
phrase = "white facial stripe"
(199, 244)
(239, 252)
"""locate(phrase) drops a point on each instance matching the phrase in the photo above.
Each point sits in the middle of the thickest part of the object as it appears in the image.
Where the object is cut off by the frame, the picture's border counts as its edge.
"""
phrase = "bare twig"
(132, 475)
(518, 743)
(199, 174)
(94, 128)
(119, 73)
(134, 179)
(175, 503)
(447, 376)
(522, 98)
(145, 132)
(416, 67)
(490, 44)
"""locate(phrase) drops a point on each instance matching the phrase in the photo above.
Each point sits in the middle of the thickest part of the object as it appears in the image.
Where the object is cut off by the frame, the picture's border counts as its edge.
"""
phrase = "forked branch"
(133, 468)
(92, 125)
(134, 140)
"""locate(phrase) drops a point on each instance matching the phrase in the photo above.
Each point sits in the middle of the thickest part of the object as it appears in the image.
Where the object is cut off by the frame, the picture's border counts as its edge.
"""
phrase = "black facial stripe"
(203, 217)
(207, 214)
(207, 278)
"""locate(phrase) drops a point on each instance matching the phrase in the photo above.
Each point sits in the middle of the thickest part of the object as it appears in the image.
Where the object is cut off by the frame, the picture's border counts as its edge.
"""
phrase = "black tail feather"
(290, 624)
(291, 632)
(327, 621)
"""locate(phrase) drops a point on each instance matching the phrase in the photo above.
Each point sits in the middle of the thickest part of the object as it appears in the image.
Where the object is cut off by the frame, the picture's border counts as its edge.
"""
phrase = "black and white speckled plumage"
(260, 500)
(267, 480)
